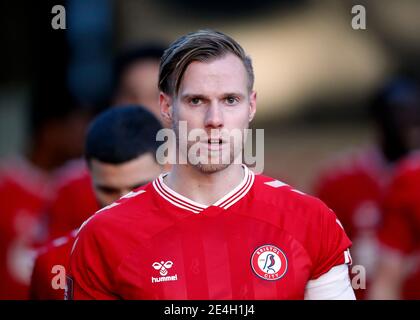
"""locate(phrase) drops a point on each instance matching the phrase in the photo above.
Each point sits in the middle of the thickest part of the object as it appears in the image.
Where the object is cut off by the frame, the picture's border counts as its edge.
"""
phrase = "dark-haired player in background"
(120, 153)
(135, 82)
(355, 185)
(212, 229)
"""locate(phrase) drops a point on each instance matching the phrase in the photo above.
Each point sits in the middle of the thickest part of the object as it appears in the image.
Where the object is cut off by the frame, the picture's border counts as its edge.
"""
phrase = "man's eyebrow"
(187, 96)
(237, 94)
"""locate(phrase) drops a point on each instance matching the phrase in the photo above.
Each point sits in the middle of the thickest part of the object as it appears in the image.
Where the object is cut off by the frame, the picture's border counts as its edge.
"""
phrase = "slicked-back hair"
(121, 134)
(204, 46)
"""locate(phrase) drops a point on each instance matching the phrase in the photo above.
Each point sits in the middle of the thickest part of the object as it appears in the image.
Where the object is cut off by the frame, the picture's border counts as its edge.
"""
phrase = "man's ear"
(252, 105)
(166, 109)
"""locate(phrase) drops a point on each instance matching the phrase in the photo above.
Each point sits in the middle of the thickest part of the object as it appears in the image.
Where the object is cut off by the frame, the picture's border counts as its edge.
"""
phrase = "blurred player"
(136, 77)
(354, 187)
(135, 82)
(398, 272)
(120, 151)
(26, 184)
(210, 229)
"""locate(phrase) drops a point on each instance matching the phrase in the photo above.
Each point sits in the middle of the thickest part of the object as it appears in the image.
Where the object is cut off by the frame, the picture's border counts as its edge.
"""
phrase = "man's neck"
(204, 188)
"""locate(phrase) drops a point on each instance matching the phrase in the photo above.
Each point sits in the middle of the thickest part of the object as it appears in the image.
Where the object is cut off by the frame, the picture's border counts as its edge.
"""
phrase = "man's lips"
(215, 144)
(215, 141)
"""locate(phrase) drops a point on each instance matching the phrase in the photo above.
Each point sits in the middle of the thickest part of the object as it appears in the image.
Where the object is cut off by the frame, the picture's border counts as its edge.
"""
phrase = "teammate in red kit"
(398, 274)
(120, 150)
(355, 185)
(26, 186)
(48, 274)
(24, 192)
(210, 229)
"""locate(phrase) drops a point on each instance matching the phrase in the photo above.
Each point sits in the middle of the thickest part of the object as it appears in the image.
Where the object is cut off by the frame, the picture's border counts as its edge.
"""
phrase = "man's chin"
(211, 168)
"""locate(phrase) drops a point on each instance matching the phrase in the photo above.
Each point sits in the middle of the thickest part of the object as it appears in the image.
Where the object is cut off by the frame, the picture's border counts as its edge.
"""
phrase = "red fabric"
(24, 194)
(55, 253)
(354, 187)
(74, 202)
(120, 251)
(401, 226)
(348, 185)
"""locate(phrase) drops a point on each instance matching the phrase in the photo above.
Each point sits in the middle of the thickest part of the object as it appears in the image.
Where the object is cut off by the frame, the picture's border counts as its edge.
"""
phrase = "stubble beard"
(212, 165)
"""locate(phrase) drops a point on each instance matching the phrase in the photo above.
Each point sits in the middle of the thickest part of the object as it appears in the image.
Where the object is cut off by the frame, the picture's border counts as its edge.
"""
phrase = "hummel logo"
(163, 270)
(163, 267)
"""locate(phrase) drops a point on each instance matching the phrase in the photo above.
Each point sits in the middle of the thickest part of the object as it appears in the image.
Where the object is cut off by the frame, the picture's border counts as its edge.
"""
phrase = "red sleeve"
(43, 276)
(51, 265)
(74, 203)
(398, 226)
(333, 246)
(335, 192)
(91, 272)
(40, 279)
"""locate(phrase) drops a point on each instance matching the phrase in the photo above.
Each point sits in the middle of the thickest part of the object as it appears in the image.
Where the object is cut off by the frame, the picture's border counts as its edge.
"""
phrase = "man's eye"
(231, 100)
(195, 101)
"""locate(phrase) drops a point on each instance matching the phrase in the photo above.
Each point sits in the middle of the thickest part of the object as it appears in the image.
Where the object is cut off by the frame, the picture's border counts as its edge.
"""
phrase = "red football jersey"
(75, 200)
(24, 194)
(48, 276)
(263, 240)
(401, 226)
(354, 187)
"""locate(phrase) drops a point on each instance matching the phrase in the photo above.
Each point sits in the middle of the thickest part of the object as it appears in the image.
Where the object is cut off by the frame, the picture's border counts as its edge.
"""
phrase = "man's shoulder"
(363, 164)
(18, 175)
(301, 215)
(120, 215)
(131, 204)
(285, 197)
(57, 251)
(71, 173)
(406, 179)
(114, 231)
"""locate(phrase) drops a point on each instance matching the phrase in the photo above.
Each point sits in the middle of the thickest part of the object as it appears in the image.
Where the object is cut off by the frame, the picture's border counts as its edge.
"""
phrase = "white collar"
(225, 202)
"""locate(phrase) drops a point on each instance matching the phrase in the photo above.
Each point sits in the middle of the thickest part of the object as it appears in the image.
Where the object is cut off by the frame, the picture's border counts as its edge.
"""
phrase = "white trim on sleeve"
(333, 285)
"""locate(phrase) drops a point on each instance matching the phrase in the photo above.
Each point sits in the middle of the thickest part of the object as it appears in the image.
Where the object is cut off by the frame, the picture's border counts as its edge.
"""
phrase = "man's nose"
(214, 116)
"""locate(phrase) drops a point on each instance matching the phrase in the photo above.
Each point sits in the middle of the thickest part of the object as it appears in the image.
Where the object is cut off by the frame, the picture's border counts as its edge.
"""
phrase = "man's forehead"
(223, 65)
(227, 74)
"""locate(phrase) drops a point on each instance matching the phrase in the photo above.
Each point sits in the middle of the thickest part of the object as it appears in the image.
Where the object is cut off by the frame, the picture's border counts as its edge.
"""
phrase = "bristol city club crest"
(269, 262)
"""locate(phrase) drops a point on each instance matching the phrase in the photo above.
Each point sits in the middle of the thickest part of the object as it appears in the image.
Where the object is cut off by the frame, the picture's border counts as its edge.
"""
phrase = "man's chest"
(216, 260)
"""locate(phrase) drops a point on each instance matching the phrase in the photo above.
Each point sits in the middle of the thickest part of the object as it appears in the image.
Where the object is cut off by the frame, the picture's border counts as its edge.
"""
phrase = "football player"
(210, 228)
